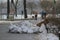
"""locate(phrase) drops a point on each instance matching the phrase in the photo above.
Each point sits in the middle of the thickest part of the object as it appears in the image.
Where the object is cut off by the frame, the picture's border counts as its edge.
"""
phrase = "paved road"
(4, 35)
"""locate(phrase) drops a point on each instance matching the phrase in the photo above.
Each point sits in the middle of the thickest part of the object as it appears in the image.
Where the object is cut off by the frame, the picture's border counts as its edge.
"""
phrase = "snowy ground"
(18, 16)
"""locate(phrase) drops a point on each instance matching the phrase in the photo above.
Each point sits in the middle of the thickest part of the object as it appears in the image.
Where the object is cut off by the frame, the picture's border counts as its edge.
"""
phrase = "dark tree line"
(15, 6)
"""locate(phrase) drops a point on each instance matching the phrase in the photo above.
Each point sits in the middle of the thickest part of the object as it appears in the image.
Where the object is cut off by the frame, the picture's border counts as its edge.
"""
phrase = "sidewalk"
(32, 21)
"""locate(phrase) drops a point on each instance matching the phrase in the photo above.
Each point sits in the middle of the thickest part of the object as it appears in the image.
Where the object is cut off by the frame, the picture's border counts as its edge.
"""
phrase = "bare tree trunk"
(8, 9)
(25, 12)
(31, 10)
(16, 7)
(54, 9)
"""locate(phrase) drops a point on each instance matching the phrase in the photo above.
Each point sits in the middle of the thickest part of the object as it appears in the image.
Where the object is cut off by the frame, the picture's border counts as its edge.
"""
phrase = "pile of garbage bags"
(28, 27)
(23, 27)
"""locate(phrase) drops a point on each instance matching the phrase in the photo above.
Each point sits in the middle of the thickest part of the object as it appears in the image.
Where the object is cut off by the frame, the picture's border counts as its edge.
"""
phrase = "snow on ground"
(46, 36)
(19, 16)
(52, 28)
(51, 36)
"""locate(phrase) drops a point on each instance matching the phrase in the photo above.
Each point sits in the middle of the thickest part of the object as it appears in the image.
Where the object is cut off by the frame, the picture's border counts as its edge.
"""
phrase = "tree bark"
(25, 12)
(8, 9)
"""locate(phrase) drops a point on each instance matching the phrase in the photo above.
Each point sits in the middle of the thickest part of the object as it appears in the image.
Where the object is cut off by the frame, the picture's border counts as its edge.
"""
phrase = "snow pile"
(42, 36)
(46, 36)
(43, 29)
(23, 27)
(52, 28)
(51, 36)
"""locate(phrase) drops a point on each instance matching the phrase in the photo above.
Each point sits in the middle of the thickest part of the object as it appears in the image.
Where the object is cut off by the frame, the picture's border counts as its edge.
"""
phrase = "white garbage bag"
(24, 28)
(19, 29)
(15, 28)
(35, 29)
(30, 30)
(12, 26)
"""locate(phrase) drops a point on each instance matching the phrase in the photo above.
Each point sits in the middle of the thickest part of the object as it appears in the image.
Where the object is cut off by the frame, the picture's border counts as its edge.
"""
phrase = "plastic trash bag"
(15, 29)
(30, 31)
(24, 28)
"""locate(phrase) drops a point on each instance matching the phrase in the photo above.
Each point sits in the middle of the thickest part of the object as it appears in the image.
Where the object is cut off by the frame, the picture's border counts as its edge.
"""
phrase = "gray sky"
(3, 0)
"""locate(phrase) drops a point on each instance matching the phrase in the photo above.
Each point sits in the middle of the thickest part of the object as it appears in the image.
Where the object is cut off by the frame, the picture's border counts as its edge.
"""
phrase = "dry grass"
(54, 21)
(43, 22)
